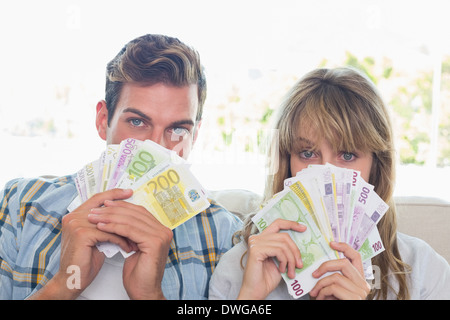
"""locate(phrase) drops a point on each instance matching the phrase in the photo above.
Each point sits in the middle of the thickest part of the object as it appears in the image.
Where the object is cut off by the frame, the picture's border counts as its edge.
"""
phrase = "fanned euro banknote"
(335, 204)
(161, 182)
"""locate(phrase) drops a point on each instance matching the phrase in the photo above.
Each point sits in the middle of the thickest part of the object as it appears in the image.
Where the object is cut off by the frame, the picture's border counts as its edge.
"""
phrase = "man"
(155, 89)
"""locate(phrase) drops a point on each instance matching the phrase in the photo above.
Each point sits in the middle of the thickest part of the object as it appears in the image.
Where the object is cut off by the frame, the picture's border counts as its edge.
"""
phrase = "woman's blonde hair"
(343, 107)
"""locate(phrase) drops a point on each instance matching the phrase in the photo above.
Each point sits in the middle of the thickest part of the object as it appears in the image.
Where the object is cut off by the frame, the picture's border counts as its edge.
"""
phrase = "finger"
(342, 265)
(99, 199)
(130, 206)
(136, 230)
(123, 215)
(350, 253)
(91, 236)
(334, 291)
(263, 252)
(282, 224)
(280, 246)
(134, 216)
(340, 284)
(290, 245)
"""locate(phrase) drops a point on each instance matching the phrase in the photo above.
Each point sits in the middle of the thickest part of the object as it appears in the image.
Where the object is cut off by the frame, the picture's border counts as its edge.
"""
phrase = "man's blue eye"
(136, 122)
(179, 131)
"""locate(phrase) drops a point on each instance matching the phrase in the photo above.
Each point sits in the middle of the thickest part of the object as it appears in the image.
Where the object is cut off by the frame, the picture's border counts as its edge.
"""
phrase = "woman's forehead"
(308, 136)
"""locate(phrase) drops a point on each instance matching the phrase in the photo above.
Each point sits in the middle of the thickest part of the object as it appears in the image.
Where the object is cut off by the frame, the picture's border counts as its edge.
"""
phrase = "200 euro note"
(171, 193)
(313, 247)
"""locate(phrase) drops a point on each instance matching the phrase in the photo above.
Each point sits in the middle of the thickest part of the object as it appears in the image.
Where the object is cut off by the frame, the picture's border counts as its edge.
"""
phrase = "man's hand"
(144, 270)
(78, 240)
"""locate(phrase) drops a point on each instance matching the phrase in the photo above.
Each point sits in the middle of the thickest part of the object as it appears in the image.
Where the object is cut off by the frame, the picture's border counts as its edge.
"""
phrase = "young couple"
(155, 89)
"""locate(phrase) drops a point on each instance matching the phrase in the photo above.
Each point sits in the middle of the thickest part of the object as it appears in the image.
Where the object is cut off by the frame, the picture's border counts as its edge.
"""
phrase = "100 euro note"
(313, 247)
(148, 155)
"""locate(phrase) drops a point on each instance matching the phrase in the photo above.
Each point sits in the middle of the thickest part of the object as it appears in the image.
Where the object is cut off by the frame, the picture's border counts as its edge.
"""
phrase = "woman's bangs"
(337, 124)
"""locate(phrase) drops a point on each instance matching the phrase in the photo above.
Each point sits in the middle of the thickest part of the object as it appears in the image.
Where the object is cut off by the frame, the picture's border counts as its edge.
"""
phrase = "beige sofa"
(422, 217)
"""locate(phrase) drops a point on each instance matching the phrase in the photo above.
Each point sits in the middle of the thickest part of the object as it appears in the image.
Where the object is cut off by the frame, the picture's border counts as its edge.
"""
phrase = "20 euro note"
(313, 247)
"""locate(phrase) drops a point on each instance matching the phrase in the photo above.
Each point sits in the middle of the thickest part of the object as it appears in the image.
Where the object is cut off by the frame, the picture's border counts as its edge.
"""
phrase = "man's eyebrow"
(138, 112)
(146, 117)
(183, 122)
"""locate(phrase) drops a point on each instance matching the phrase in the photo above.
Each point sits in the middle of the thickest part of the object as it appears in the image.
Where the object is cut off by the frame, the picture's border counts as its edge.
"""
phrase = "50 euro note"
(313, 247)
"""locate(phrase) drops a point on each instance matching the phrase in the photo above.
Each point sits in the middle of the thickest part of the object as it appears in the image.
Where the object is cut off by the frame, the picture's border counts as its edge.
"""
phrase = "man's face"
(162, 113)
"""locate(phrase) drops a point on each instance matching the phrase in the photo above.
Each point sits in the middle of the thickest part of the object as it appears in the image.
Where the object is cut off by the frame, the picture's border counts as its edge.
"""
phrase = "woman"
(332, 116)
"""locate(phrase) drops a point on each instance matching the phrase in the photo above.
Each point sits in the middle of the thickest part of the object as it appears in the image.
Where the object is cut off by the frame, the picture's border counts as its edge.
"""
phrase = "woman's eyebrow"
(304, 140)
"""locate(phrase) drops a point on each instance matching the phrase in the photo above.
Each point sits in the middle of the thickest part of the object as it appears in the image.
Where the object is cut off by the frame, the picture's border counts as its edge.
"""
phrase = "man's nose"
(157, 136)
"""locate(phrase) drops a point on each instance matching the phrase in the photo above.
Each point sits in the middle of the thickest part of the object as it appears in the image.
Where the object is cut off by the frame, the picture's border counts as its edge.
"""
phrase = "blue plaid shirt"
(30, 238)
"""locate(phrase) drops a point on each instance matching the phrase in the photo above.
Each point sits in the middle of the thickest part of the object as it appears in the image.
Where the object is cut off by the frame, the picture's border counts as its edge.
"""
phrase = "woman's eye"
(307, 154)
(348, 156)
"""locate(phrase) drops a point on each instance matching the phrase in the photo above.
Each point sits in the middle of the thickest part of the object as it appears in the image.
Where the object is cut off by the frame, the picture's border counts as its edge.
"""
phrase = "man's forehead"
(140, 97)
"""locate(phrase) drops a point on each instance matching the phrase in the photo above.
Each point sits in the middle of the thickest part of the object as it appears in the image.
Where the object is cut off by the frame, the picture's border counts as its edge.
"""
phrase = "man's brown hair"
(152, 59)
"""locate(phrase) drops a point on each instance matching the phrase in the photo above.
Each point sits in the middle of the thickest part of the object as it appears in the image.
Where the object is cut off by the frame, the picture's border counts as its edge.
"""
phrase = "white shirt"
(429, 279)
(108, 284)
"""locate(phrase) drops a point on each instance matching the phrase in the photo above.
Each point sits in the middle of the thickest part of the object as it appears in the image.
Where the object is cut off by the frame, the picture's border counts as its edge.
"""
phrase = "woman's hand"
(261, 275)
(350, 284)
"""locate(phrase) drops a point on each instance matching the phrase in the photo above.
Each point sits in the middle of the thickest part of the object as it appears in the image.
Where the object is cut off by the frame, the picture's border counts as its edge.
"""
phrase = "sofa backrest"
(426, 218)
(422, 217)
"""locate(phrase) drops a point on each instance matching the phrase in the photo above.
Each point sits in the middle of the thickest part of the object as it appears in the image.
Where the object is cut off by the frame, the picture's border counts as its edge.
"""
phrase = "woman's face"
(309, 151)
